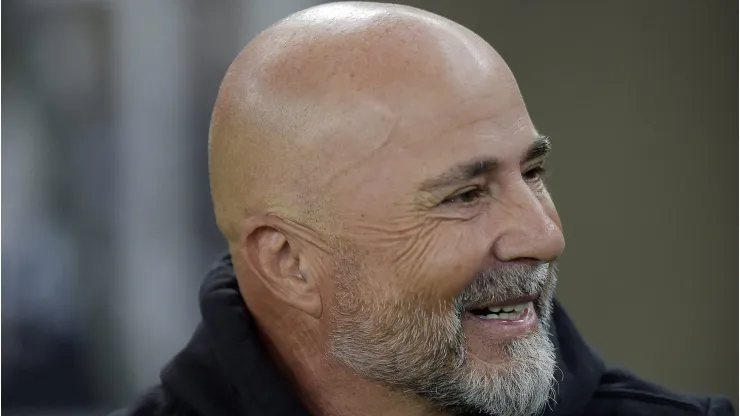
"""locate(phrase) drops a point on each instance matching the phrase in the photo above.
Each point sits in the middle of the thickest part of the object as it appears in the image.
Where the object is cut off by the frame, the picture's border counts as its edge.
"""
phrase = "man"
(392, 244)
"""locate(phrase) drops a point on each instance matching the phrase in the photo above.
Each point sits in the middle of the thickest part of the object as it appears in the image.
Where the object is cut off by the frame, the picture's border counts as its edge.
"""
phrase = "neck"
(327, 388)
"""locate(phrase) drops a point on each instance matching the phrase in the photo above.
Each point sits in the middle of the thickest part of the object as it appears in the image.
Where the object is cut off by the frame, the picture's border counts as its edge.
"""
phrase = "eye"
(535, 174)
(466, 196)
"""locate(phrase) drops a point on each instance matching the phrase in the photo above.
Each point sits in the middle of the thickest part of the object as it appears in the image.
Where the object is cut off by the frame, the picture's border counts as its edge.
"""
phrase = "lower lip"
(506, 328)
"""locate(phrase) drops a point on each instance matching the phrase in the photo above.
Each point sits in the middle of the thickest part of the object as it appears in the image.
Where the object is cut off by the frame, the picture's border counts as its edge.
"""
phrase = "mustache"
(498, 285)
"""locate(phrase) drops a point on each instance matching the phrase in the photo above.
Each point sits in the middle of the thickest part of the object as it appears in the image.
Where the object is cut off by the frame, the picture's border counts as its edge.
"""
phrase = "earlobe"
(274, 257)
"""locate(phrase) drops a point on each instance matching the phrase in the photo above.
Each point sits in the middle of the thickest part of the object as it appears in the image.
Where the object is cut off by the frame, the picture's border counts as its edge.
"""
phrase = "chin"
(512, 377)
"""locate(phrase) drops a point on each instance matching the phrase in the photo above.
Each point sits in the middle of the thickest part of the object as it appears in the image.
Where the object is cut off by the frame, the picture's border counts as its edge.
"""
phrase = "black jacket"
(224, 370)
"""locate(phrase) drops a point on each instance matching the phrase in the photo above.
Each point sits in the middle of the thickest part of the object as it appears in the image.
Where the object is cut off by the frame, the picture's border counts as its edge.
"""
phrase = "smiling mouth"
(510, 310)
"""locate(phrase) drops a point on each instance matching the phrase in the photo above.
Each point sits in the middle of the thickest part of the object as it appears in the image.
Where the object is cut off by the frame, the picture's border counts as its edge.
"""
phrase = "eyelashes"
(535, 174)
(473, 194)
(466, 196)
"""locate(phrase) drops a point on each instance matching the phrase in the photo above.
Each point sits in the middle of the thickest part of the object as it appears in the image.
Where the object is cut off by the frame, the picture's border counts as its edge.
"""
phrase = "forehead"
(436, 127)
(395, 114)
(449, 124)
(401, 147)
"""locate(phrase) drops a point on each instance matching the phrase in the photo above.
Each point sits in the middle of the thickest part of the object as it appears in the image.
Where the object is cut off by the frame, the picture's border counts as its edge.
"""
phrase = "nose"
(527, 227)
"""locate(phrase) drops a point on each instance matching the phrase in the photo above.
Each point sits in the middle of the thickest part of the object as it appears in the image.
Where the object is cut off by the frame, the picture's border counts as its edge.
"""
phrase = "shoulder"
(622, 393)
(156, 402)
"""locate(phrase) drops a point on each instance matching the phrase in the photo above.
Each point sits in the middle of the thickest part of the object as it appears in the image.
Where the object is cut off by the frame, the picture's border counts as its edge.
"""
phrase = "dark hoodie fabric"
(224, 370)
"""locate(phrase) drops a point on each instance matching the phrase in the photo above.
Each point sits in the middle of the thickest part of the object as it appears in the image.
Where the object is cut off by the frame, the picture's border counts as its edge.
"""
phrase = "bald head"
(376, 173)
(322, 88)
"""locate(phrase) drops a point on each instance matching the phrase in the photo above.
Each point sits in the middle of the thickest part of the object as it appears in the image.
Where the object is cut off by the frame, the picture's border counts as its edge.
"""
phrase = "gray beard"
(410, 346)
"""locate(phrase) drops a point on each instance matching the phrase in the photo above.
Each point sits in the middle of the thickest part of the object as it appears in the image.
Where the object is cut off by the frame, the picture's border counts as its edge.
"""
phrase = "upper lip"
(511, 301)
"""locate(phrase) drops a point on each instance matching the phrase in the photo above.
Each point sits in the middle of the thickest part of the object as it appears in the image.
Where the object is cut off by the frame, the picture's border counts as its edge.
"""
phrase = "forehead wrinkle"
(355, 166)
(408, 145)
(523, 123)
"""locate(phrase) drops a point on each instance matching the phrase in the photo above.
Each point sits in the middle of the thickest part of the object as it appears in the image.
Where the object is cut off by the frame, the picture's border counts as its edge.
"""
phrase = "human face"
(448, 217)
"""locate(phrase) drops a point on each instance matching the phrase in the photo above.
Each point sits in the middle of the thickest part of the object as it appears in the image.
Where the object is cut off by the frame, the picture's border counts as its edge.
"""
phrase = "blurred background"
(107, 220)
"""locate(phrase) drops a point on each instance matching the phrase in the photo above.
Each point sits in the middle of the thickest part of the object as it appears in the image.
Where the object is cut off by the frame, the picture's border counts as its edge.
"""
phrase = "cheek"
(454, 263)
(437, 259)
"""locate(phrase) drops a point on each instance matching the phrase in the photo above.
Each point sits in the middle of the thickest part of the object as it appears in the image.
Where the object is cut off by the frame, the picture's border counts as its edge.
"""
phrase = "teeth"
(510, 308)
(507, 312)
(503, 315)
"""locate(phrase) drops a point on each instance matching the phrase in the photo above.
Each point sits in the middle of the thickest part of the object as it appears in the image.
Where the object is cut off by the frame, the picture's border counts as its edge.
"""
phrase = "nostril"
(528, 261)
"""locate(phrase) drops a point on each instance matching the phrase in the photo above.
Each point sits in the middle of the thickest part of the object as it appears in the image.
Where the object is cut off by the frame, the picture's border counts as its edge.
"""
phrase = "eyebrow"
(539, 148)
(460, 173)
(467, 171)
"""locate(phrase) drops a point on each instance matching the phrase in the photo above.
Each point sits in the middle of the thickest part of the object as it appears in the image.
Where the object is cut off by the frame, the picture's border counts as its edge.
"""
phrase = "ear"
(275, 260)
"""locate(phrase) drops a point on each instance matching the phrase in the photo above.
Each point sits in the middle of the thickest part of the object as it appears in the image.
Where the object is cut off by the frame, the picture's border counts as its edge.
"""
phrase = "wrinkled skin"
(327, 134)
